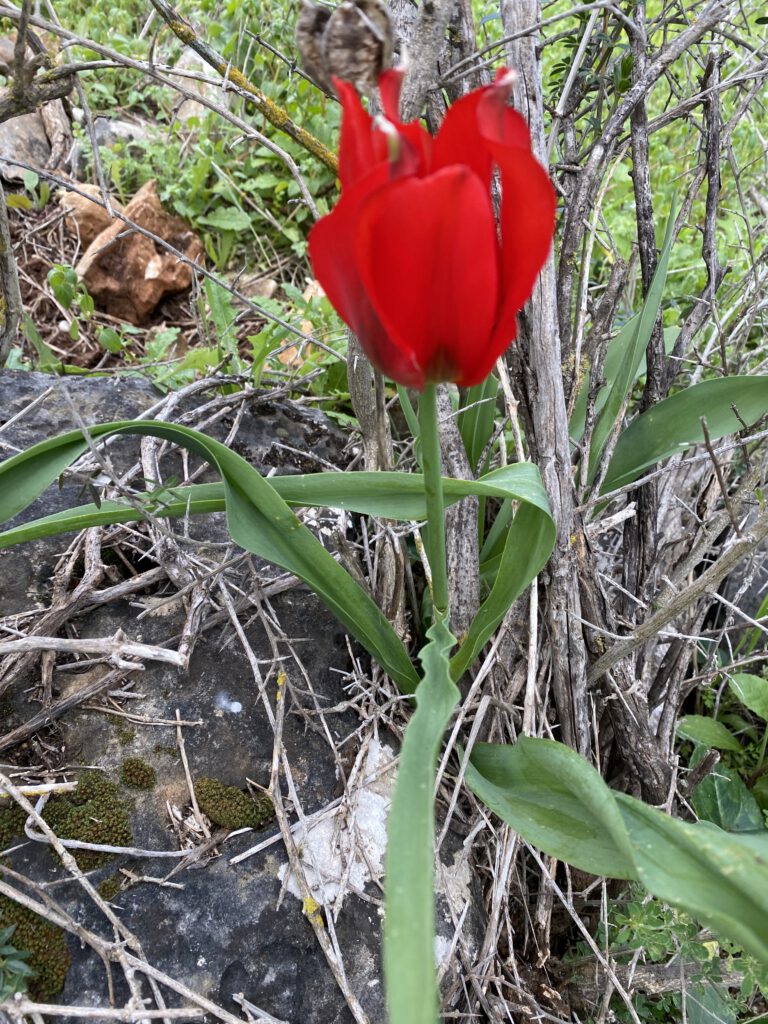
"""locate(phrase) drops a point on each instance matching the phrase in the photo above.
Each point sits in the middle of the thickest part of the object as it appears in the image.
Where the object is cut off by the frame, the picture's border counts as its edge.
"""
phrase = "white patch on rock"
(224, 702)
(442, 950)
(349, 842)
(454, 880)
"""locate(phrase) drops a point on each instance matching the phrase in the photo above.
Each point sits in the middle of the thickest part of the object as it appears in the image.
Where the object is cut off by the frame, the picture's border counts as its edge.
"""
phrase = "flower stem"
(433, 489)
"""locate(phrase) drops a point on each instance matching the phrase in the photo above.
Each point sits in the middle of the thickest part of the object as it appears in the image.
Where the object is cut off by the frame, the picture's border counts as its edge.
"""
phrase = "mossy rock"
(137, 774)
(49, 956)
(95, 812)
(230, 807)
(110, 887)
(12, 819)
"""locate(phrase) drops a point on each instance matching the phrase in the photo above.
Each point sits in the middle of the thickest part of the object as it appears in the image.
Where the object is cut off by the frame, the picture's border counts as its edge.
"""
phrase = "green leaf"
(528, 544)
(708, 1004)
(556, 800)
(257, 517)
(109, 339)
(675, 424)
(752, 691)
(409, 923)
(621, 384)
(719, 878)
(708, 732)
(222, 312)
(227, 218)
(617, 351)
(477, 418)
(723, 799)
(31, 180)
(388, 495)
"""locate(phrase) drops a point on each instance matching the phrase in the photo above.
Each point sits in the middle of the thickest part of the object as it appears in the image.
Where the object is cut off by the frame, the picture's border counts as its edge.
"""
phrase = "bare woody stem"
(433, 489)
(271, 110)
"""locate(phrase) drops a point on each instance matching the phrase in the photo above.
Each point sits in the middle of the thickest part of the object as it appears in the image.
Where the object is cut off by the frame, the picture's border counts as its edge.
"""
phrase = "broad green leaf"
(227, 218)
(541, 789)
(752, 691)
(723, 799)
(556, 800)
(719, 878)
(708, 732)
(708, 1004)
(409, 924)
(675, 424)
(257, 517)
(621, 384)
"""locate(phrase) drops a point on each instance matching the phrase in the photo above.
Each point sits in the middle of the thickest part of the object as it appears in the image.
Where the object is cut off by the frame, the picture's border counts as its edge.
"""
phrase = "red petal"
(427, 255)
(459, 141)
(332, 243)
(390, 84)
(356, 152)
(463, 139)
(528, 205)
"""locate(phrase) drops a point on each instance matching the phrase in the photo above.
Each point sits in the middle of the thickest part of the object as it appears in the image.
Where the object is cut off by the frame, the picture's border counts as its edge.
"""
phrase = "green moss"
(137, 773)
(125, 734)
(12, 819)
(230, 807)
(173, 752)
(93, 813)
(110, 887)
(46, 944)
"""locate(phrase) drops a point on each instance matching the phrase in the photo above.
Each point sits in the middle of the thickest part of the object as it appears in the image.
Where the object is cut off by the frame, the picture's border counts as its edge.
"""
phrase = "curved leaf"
(257, 517)
(718, 877)
(527, 544)
(708, 731)
(752, 691)
(675, 424)
(388, 495)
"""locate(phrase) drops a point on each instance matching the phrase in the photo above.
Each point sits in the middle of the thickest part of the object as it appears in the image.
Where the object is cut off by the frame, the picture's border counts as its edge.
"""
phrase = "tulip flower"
(411, 256)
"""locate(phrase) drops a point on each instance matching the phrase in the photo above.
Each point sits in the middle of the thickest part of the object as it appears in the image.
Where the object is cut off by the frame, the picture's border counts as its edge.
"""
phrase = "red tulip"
(411, 256)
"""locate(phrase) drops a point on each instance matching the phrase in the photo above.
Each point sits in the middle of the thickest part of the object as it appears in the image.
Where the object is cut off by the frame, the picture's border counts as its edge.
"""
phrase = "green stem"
(433, 488)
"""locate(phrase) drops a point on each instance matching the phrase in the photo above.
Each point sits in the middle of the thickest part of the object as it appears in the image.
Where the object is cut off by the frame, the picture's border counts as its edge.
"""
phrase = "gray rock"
(233, 928)
(23, 138)
(226, 931)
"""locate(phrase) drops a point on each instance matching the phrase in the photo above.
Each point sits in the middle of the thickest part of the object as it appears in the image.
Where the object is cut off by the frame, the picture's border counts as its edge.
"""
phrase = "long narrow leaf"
(675, 424)
(477, 419)
(409, 926)
(389, 495)
(258, 520)
(529, 544)
(526, 547)
(620, 386)
(615, 356)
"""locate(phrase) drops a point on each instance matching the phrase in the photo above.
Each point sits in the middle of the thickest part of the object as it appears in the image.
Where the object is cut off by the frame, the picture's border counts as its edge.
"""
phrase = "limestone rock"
(84, 218)
(23, 137)
(127, 273)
